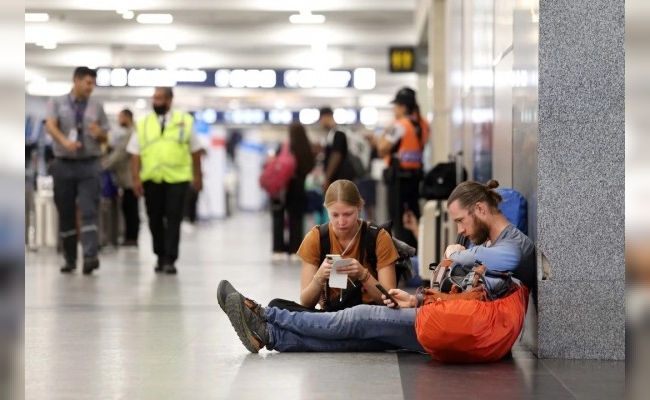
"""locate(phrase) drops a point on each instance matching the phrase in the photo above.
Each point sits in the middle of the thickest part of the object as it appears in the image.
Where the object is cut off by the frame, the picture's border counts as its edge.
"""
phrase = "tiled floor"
(126, 333)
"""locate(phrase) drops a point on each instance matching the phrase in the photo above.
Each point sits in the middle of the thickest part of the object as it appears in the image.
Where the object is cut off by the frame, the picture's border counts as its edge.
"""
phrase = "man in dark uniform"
(78, 126)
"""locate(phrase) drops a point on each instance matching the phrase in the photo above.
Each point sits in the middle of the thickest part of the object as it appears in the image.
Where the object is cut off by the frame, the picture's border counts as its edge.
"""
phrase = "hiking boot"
(225, 289)
(68, 268)
(90, 265)
(252, 330)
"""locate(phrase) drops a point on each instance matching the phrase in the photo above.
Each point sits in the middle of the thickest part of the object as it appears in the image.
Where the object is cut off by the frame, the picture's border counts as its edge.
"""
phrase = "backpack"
(369, 233)
(514, 208)
(451, 280)
(440, 181)
(278, 171)
(358, 154)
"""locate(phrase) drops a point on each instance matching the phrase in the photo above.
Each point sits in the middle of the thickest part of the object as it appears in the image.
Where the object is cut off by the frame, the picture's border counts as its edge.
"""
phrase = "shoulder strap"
(324, 231)
(371, 244)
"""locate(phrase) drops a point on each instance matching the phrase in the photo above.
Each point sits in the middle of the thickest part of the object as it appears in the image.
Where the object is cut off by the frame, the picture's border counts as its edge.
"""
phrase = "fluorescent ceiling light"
(306, 19)
(168, 46)
(37, 17)
(128, 15)
(155, 18)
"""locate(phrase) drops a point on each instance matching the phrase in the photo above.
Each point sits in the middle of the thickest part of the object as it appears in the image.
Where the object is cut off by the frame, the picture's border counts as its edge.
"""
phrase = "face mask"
(160, 109)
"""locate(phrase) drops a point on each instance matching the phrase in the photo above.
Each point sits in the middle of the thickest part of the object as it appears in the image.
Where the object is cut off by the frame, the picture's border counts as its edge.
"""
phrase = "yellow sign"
(402, 59)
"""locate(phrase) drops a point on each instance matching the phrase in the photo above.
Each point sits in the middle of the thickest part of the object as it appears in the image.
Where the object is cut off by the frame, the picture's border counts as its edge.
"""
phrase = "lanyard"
(79, 111)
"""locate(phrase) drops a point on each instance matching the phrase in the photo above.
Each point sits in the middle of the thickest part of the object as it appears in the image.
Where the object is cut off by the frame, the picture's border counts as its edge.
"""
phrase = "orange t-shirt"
(309, 252)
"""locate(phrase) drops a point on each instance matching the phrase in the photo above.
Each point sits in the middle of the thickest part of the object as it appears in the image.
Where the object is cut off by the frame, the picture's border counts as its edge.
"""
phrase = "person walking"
(165, 158)
(78, 126)
(118, 162)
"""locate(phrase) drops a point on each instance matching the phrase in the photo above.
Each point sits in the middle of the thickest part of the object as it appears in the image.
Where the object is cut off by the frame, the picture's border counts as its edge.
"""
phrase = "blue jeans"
(360, 328)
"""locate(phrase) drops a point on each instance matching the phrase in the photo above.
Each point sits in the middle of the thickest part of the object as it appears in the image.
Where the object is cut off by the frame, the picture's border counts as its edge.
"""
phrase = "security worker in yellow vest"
(165, 158)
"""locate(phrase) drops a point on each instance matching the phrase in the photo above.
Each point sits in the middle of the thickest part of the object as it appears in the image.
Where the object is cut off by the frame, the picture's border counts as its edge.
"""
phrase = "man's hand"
(70, 145)
(138, 189)
(197, 183)
(96, 132)
(404, 299)
(453, 248)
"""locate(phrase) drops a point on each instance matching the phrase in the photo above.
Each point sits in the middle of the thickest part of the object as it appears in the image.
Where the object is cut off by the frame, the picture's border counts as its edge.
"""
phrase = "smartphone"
(388, 296)
(332, 257)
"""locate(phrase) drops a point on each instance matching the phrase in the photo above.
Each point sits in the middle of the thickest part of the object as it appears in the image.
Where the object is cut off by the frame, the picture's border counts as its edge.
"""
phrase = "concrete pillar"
(581, 178)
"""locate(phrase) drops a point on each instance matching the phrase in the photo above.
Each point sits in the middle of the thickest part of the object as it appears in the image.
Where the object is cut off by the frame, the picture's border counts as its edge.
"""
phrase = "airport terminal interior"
(488, 80)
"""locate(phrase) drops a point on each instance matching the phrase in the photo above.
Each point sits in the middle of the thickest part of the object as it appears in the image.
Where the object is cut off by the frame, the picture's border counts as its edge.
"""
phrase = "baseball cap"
(405, 96)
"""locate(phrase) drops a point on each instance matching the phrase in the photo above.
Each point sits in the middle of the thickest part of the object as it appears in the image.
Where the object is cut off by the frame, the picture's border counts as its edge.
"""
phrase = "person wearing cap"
(402, 147)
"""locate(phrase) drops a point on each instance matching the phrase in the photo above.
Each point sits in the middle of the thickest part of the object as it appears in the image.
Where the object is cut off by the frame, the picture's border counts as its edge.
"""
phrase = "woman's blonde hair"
(344, 191)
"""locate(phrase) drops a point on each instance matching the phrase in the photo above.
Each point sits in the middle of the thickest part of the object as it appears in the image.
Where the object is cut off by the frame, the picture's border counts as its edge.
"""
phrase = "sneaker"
(225, 289)
(169, 269)
(68, 268)
(252, 330)
(159, 267)
(277, 258)
(295, 259)
(90, 265)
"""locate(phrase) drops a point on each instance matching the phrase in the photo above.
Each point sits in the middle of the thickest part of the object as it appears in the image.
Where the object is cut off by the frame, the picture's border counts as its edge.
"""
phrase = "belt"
(76, 160)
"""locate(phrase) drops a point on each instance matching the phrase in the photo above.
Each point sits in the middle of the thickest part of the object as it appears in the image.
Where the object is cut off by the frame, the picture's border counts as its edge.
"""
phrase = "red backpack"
(278, 171)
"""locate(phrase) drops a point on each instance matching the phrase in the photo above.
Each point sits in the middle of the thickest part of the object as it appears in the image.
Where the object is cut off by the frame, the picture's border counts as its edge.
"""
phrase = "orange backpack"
(463, 324)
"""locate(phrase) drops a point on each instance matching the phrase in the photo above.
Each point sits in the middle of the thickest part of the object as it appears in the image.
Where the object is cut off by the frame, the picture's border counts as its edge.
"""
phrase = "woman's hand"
(354, 271)
(324, 270)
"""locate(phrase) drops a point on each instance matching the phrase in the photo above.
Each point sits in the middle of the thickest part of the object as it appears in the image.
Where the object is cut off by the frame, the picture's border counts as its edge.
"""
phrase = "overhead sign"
(360, 78)
(402, 59)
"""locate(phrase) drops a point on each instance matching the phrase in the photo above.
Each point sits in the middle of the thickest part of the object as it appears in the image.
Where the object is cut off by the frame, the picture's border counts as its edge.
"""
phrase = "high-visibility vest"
(410, 150)
(165, 156)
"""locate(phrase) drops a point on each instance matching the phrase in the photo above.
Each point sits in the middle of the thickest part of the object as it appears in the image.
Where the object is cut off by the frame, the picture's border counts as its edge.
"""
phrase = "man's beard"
(481, 232)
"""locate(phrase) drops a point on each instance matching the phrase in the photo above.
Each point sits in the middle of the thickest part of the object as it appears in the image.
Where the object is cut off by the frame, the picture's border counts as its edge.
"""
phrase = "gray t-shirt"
(511, 251)
(62, 109)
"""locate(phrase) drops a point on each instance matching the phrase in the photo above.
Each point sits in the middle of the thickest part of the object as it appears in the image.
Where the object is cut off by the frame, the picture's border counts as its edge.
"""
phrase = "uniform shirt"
(309, 252)
(133, 147)
(62, 109)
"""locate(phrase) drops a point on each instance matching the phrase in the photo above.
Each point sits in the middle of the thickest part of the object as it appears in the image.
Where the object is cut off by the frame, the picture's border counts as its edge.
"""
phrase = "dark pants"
(164, 203)
(403, 194)
(191, 198)
(77, 183)
(131, 215)
(278, 209)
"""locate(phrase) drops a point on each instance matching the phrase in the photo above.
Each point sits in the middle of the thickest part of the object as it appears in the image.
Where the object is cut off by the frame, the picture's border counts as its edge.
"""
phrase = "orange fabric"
(468, 331)
(410, 142)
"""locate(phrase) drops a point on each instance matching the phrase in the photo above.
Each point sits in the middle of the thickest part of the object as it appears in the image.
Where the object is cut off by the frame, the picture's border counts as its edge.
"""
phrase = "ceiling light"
(37, 17)
(306, 18)
(140, 104)
(155, 18)
(49, 45)
(128, 15)
(168, 46)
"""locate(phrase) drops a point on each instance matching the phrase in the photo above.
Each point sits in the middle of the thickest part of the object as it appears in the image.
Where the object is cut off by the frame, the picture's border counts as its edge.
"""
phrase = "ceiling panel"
(222, 34)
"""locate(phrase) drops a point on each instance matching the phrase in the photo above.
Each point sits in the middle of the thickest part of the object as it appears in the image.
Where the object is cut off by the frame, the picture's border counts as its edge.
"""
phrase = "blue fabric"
(359, 328)
(515, 208)
(109, 188)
